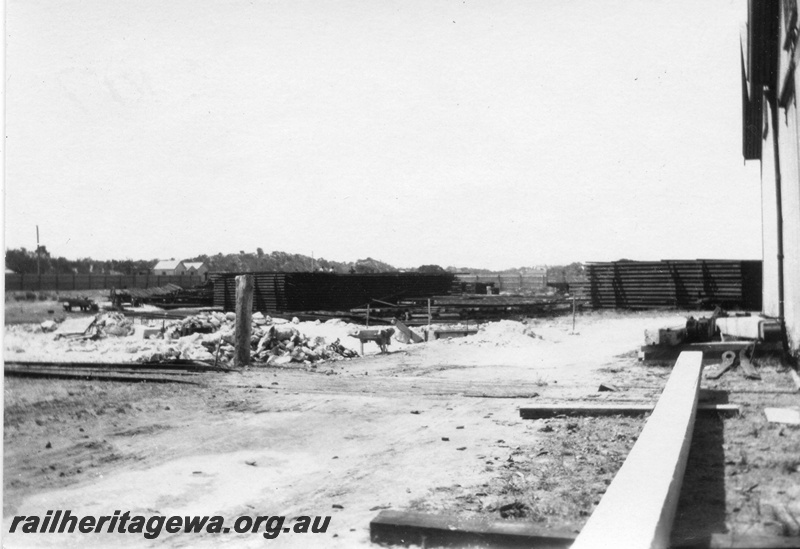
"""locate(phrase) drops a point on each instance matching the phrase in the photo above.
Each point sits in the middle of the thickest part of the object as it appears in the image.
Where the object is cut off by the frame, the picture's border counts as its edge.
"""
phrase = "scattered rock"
(48, 326)
(516, 509)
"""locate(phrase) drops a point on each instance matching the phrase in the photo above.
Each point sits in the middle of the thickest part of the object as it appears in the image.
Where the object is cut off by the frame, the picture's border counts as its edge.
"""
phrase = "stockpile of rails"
(199, 296)
(454, 309)
(143, 295)
(689, 284)
(295, 292)
(167, 296)
(483, 288)
(525, 284)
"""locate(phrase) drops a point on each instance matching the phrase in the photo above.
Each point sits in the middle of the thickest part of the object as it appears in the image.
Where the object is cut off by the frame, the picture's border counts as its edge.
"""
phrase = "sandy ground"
(430, 426)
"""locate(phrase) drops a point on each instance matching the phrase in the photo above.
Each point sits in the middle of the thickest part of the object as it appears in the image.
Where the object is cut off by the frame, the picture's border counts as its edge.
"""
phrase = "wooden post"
(367, 317)
(244, 315)
(430, 317)
(573, 314)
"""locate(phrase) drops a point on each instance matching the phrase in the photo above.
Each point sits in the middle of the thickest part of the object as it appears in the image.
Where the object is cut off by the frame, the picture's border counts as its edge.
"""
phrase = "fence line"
(64, 282)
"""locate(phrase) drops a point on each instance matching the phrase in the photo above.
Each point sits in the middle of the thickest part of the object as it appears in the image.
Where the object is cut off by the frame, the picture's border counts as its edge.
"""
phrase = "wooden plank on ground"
(411, 334)
(795, 378)
(423, 530)
(541, 411)
(638, 508)
(74, 325)
(749, 370)
(454, 332)
(740, 541)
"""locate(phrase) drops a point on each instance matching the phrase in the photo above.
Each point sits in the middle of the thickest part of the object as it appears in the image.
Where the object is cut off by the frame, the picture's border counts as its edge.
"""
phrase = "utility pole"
(38, 252)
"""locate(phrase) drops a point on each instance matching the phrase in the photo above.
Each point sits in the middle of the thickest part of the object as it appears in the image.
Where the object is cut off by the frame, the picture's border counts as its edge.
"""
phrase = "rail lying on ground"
(152, 372)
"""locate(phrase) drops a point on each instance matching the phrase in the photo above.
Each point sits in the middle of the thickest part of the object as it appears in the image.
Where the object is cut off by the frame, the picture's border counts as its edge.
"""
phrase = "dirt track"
(368, 436)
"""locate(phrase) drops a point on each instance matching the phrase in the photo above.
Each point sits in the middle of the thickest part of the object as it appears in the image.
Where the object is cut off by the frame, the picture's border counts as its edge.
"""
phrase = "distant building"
(169, 267)
(196, 268)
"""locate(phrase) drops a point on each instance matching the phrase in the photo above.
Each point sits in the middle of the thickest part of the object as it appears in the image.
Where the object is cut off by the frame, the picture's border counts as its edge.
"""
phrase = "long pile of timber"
(699, 283)
(280, 292)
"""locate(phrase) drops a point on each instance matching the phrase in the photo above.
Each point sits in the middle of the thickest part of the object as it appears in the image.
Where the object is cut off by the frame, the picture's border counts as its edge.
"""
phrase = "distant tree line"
(288, 263)
(24, 261)
(566, 273)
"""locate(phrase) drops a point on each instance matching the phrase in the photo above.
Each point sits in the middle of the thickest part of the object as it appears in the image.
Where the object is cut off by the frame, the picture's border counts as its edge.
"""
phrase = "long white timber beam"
(639, 506)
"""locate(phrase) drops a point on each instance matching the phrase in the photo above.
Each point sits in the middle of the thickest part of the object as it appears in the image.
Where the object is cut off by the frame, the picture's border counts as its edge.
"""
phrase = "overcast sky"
(471, 133)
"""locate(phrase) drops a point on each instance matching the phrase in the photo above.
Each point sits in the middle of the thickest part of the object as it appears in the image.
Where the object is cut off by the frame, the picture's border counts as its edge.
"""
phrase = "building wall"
(769, 227)
(787, 129)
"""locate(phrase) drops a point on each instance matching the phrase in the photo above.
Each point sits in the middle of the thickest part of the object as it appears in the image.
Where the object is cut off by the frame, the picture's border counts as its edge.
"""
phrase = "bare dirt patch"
(431, 427)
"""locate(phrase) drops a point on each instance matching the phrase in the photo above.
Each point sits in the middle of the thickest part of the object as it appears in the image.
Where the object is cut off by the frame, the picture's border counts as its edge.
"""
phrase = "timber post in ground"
(244, 315)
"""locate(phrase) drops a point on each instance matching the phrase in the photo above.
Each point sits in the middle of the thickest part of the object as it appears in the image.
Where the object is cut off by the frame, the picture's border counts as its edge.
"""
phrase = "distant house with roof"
(169, 267)
(196, 268)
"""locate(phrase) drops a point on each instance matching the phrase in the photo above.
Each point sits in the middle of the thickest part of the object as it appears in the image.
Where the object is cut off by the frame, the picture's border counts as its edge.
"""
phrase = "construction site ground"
(431, 427)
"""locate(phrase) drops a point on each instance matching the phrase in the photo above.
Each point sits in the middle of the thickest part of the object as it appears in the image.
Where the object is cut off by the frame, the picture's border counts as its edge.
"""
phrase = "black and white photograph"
(401, 273)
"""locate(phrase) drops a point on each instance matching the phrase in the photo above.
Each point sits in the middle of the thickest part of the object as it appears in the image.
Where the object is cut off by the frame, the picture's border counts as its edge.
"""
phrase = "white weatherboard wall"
(639, 506)
(788, 137)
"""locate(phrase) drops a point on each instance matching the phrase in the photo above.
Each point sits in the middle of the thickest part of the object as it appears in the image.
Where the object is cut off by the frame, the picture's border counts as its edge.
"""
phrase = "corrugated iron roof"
(167, 264)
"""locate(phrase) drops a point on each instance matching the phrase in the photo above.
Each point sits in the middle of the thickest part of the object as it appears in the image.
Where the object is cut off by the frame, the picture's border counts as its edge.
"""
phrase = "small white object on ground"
(783, 415)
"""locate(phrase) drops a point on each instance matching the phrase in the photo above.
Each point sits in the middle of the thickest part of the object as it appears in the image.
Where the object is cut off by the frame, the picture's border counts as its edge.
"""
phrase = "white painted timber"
(639, 506)
(751, 327)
